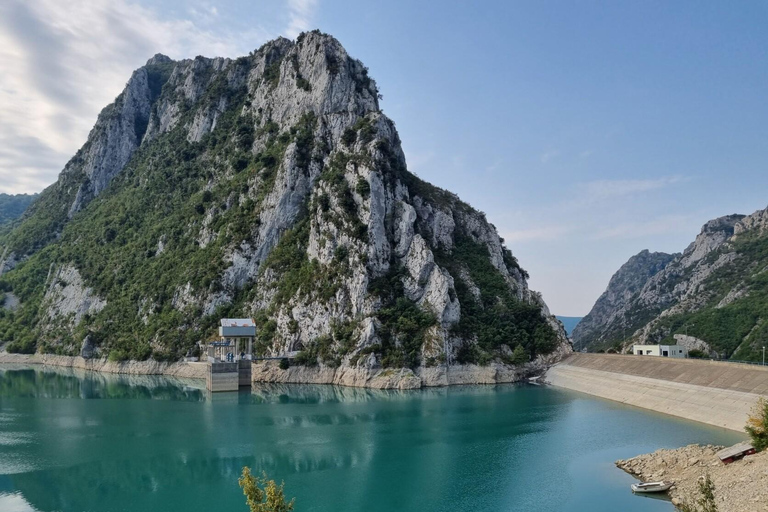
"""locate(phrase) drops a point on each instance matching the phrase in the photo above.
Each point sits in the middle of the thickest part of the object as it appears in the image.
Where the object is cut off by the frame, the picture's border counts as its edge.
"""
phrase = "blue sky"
(587, 131)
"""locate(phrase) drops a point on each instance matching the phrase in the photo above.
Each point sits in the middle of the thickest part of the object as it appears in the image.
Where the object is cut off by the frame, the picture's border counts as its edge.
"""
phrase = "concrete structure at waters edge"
(222, 377)
(236, 334)
(716, 393)
(229, 359)
(660, 350)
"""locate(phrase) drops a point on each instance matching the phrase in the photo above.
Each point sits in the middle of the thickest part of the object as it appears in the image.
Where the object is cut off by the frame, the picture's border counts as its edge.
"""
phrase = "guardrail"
(754, 363)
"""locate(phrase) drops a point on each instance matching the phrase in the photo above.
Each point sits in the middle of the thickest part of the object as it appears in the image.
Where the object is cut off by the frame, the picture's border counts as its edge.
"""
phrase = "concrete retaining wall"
(179, 369)
(720, 394)
(222, 377)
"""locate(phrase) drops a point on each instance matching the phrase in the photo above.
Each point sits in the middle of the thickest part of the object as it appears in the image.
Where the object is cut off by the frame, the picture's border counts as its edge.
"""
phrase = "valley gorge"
(712, 297)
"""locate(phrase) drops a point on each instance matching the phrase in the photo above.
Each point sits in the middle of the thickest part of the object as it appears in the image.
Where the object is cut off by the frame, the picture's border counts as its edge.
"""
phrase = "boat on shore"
(649, 487)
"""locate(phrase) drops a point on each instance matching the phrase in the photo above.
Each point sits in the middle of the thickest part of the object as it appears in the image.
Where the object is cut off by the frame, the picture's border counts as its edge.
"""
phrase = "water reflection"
(159, 444)
(59, 382)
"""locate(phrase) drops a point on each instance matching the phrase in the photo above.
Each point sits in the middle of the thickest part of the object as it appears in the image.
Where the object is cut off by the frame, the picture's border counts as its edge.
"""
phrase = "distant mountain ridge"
(569, 322)
(713, 295)
(12, 206)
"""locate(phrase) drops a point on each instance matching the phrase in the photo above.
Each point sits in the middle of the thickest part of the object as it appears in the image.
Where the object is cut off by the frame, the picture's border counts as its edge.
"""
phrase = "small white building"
(236, 337)
(660, 350)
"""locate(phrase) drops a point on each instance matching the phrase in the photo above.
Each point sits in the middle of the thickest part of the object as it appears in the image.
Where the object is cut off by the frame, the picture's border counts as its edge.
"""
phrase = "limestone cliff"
(270, 186)
(712, 296)
(609, 314)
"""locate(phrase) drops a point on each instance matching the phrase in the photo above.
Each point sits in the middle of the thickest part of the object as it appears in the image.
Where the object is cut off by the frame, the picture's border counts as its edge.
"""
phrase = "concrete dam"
(712, 392)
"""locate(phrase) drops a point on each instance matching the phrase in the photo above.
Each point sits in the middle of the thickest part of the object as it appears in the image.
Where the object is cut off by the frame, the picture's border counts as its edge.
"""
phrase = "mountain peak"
(159, 58)
(269, 186)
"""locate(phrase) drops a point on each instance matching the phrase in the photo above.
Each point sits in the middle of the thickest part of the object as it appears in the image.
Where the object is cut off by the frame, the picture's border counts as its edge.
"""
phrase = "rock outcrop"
(609, 313)
(270, 186)
(714, 291)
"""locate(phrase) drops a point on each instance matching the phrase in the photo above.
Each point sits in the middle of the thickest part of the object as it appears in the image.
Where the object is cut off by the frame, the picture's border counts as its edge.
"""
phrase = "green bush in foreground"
(263, 495)
(757, 425)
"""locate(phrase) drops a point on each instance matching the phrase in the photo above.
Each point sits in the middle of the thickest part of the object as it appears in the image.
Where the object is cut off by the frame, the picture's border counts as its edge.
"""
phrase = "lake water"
(91, 442)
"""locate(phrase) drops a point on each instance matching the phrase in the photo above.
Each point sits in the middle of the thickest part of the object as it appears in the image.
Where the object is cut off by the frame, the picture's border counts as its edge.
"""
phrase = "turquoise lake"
(74, 441)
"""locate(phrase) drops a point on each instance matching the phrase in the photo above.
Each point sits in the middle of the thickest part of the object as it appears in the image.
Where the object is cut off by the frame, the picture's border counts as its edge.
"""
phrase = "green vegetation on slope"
(140, 241)
(739, 329)
(13, 206)
(497, 317)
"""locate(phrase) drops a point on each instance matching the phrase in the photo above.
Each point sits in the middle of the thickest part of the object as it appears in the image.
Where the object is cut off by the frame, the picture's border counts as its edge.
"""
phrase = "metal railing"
(754, 363)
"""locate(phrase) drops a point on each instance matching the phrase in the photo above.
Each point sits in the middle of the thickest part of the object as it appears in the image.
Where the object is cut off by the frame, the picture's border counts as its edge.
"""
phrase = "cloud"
(665, 225)
(549, 156)
(63, 62)
(27, 164)
(301, 16)
(538, 233)
(495, 166)
(601, 191)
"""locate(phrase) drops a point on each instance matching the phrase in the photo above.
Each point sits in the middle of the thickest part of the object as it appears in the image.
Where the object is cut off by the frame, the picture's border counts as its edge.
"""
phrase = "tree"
(519, 355)
(262, 494)
(757, 425)
(706, 500)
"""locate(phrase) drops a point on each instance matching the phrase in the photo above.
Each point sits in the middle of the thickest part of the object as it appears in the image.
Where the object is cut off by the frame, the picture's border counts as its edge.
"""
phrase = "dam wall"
(716, 393)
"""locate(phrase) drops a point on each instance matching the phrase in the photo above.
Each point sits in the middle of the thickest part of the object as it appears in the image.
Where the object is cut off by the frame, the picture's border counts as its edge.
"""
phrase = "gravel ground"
(741, 486)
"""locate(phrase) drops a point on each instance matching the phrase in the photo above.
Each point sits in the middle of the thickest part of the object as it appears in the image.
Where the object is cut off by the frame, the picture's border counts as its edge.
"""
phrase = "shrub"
(706, 501)
(284, 364)
(496, 317)
(117, 355)
(263, 495)
(363, 188)
(519, 356)
(349, 137)
(697, 354)
(25, 345)
(757, 425)
(341, 253)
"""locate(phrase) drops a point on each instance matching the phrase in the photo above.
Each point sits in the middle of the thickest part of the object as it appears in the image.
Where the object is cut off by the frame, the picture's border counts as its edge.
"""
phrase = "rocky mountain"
(270, 186)
(12, 206)
(610, 317)
(713, 296)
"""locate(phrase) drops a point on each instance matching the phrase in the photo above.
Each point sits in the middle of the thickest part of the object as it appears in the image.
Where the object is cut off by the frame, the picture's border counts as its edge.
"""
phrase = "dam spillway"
(712, 392)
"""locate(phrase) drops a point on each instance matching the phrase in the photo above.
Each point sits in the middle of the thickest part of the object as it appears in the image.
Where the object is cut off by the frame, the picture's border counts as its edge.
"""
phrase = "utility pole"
(763, 355)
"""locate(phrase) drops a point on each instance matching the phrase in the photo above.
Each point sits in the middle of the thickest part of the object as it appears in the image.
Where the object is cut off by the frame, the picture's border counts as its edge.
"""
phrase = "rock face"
(609, 312)
(270, 186)
(714, 291)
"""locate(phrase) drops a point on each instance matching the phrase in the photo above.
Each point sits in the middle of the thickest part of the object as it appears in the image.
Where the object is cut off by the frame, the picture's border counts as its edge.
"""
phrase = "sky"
(587, 131)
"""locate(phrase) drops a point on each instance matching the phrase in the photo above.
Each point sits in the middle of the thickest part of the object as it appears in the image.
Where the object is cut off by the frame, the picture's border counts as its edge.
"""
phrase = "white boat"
(652, 486)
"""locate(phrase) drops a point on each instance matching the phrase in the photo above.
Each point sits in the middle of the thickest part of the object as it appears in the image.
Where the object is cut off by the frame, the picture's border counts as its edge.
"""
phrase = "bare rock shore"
(179, 369)
(389, 378)
(270, 371)
(741, 486)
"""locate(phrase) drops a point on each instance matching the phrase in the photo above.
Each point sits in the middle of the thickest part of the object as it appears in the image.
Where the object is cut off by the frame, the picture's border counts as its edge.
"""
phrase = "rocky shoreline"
(741, 486)
(270, 371)
(390, 378)
(177, 369)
